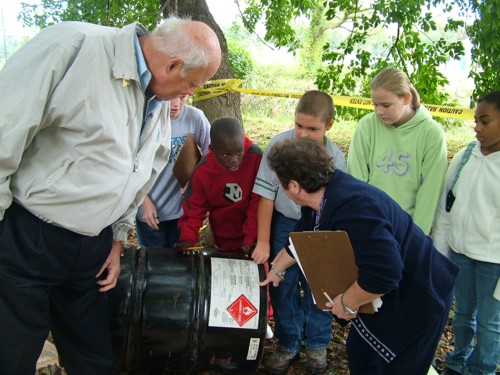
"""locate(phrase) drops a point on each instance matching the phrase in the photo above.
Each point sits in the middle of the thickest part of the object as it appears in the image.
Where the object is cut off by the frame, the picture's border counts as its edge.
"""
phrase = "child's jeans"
(296, 317)
(477, 312)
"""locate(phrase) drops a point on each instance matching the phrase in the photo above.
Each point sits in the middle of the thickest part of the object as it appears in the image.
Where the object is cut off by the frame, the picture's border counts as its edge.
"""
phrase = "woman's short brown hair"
(303, 160)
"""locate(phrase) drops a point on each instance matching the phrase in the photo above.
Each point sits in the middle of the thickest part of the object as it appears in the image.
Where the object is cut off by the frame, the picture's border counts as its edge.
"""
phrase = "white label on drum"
(253, 349)
(235, 294)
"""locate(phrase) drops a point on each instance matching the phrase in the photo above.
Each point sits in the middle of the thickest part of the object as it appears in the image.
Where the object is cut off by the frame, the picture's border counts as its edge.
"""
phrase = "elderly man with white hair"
(84, 133)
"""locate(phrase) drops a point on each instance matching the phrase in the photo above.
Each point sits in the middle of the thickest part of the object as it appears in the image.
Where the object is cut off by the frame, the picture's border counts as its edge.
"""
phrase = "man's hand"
(149, 214)
(112, 266)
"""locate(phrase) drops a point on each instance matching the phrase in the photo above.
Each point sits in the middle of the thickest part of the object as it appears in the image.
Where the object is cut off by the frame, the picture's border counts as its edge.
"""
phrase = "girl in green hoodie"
(400, 148)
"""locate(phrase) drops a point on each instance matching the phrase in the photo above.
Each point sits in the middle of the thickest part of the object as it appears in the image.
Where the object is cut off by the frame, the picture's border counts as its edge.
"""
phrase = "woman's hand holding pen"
(340, 310)
(346, 305)
(334, 307)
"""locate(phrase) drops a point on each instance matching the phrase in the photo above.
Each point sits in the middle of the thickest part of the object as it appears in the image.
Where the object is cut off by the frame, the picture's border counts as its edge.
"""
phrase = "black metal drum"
(172, 313)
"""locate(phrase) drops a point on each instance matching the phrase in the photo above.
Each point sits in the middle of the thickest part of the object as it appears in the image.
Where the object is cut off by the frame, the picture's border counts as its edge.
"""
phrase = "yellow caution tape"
(223, 86)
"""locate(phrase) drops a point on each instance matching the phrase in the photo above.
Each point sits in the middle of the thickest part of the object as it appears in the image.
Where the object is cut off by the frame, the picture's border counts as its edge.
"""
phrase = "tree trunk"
(227, 105)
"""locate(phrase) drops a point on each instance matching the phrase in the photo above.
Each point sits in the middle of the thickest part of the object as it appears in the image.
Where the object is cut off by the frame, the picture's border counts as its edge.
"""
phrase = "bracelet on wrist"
(347, 309)
(275, 272)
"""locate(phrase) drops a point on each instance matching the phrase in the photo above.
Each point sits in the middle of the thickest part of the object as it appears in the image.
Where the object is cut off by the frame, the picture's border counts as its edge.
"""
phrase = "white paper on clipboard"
(297, 259)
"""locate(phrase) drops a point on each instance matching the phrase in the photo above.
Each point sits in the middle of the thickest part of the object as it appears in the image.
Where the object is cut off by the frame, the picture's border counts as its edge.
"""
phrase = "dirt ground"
(337, 358)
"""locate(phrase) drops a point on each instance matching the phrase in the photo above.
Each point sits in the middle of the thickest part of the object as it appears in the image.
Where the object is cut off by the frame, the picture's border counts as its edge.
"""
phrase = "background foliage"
(240, 59)
(341, 44)
(104, 12)
(484, 34)
(337, 44)
(420, 35)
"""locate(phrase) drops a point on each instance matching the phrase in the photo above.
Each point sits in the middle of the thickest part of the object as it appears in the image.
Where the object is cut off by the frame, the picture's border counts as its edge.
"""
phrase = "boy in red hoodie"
(221, 184)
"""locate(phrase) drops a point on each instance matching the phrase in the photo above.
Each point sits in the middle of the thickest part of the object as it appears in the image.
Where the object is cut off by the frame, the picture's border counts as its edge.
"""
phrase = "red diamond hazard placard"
(242, 310)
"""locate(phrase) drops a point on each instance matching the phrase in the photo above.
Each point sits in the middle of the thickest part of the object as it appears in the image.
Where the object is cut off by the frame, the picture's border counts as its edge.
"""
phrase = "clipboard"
(327, 260)
(188, 157)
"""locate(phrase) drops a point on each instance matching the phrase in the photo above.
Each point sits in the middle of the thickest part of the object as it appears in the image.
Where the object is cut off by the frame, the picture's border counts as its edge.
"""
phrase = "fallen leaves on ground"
(337, 357)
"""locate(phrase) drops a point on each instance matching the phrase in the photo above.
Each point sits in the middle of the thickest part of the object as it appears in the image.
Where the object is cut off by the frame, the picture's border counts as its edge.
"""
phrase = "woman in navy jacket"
(396, 261)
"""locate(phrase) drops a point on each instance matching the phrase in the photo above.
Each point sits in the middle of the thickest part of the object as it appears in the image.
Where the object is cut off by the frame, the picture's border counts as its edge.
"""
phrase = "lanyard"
(317, 215)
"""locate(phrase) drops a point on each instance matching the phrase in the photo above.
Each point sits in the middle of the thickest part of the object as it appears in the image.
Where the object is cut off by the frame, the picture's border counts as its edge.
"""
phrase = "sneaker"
(269, 332)
(316, 361)
(277, 363)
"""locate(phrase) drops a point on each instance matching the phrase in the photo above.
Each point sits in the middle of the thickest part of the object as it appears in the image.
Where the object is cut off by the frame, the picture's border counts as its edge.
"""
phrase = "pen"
(327, 296)
(195, 247)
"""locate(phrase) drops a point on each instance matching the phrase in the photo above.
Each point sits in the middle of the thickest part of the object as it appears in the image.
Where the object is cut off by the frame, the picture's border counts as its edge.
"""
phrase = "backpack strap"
(465, 157)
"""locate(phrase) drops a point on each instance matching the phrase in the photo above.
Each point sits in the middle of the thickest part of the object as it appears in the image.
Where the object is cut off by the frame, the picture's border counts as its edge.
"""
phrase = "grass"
(264, 117)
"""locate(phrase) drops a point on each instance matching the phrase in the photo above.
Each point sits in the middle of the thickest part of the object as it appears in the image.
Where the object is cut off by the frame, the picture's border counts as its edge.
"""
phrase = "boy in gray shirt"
(296, 317)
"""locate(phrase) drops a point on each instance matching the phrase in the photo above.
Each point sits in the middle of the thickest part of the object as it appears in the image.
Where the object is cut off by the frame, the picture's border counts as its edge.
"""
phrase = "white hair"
(173, 38)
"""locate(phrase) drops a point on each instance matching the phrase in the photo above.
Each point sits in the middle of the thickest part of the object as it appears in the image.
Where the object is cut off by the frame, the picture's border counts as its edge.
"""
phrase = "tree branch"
(245, 23)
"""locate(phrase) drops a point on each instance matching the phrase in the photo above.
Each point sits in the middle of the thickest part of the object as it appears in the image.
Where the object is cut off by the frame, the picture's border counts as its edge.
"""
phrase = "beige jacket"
(71, 110)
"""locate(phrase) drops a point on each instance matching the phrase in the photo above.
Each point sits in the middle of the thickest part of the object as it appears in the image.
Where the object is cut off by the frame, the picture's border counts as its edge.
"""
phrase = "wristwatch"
(275, 272)
(347, 309)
